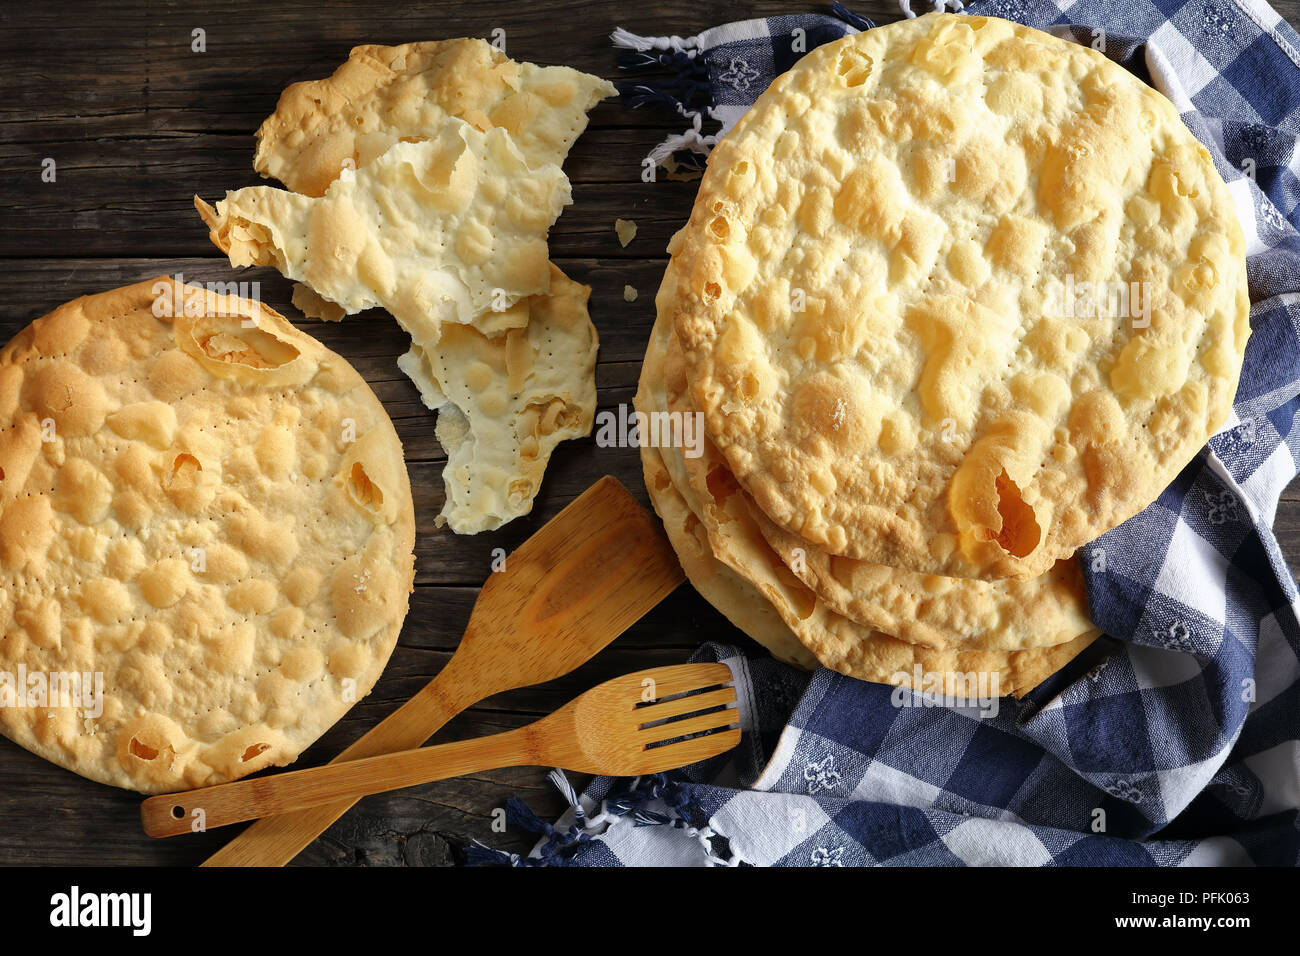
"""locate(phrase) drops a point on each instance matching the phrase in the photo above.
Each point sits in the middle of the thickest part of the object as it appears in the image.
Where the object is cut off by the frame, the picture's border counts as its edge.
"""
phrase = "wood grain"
(137, 123)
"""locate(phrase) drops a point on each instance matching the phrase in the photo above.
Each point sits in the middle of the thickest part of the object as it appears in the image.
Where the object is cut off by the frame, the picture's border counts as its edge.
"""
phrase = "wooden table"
(137, 123)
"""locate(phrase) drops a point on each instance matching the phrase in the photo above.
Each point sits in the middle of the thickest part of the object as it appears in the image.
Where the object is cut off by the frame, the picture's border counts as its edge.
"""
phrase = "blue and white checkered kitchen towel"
(1178, 743)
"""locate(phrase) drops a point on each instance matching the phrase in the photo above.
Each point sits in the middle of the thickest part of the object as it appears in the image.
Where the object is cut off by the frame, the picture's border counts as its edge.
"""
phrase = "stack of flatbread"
(423, 178)
(912, 413)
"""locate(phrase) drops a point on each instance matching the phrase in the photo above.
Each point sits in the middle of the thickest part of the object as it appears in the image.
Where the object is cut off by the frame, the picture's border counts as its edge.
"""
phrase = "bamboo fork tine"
(603, 732)
(662, 710)
(686, 752)
(678, 729)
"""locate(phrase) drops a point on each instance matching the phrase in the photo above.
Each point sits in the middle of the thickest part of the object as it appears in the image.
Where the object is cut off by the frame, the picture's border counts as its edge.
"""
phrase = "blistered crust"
(738, 566)
(505, 401)
(844, 644)
(868, 310)
(440, 231)
(209, 509)
(384, 95)
(1048, 609)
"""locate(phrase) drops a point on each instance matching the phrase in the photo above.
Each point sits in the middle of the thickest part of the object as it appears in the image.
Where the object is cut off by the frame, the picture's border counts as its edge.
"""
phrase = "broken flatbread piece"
(388, 94)
(314, 305)
(626, 231)
(505, 402)
(443, 231)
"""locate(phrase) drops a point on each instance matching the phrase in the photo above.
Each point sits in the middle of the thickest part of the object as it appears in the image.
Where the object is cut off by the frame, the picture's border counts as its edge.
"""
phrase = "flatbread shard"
(209, 511)
(443, 231)
(877, 308)
(314, 305)
(384, 95)
(505, 402)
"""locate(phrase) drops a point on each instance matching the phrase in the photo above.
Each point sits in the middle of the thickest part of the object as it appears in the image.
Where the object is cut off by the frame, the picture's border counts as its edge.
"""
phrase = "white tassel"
(691, 139)
(561, 783)
(632, 41)
(939, 6)
(711, 858)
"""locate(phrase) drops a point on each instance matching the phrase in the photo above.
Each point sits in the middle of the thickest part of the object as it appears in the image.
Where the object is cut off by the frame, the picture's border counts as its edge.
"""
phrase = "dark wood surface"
(137, 123)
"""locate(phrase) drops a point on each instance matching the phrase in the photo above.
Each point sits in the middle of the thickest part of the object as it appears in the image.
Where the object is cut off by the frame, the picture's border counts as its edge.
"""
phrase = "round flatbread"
(206, 537)
(959, 296)
(735, 542)
(928, 609)
(954, 668)
(733, 596)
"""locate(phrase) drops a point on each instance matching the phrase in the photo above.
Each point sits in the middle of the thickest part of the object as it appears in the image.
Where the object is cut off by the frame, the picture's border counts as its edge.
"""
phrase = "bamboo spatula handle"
(173, 814)
(274, 841)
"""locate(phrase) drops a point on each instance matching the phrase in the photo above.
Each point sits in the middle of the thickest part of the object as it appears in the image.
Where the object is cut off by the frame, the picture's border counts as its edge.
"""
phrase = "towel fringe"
(627, 40)
(936, 6)
(691, 140)
(686, 87)
(479, 854)
(557, 846)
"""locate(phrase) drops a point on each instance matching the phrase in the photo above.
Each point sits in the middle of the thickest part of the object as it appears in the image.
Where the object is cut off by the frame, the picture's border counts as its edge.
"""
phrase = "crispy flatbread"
(451, 230)
(206, 511)
(385, 95)
(505, 402)
(882, 297)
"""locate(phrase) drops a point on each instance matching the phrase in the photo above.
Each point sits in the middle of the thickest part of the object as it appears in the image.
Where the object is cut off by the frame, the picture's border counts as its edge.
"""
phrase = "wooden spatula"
(628, 726)
(590, 573)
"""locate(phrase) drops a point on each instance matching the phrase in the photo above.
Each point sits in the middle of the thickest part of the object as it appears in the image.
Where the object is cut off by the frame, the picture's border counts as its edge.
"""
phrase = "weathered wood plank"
(138, 123)
(134, 69)
(166, 122)
(79, 216)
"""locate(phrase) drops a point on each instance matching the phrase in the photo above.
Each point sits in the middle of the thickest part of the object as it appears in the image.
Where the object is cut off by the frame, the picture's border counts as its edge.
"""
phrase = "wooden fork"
(627, 726)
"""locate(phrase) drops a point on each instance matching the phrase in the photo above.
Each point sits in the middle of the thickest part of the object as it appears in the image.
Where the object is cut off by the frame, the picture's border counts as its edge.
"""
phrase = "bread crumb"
(626, 230)
(629, 293)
